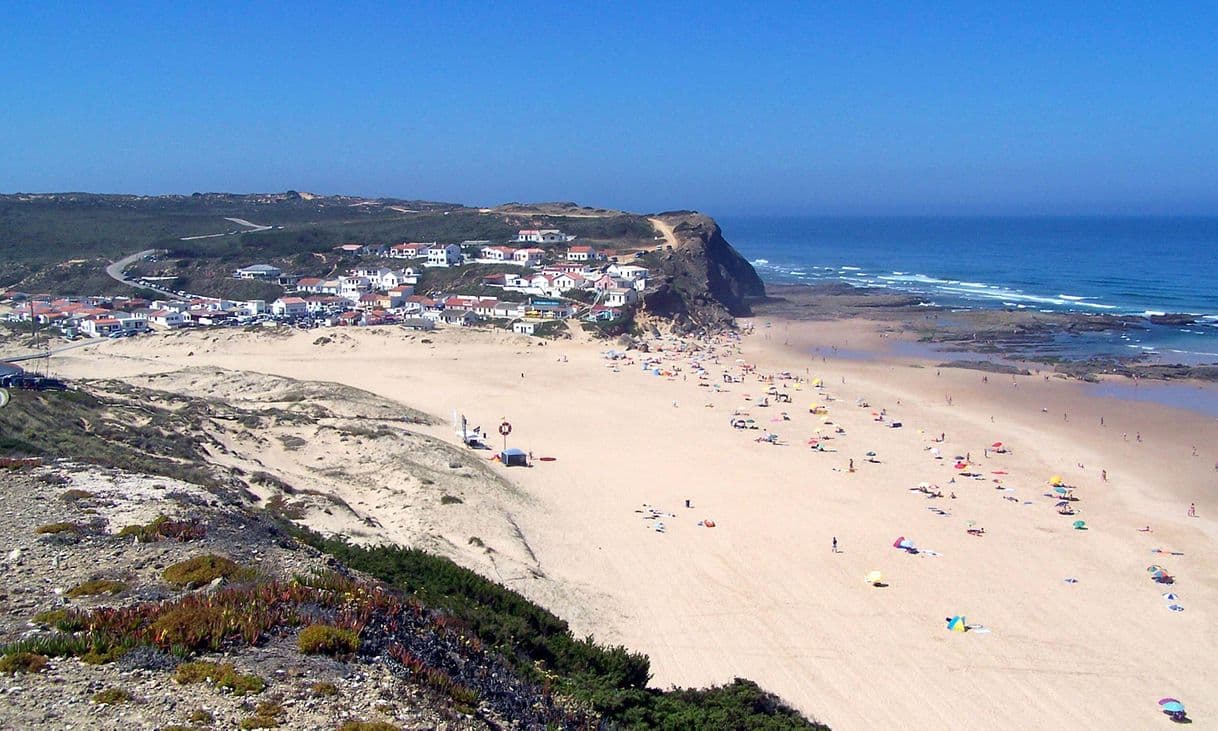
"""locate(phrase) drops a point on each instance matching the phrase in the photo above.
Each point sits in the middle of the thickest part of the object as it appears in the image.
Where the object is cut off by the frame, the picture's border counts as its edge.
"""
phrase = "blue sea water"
(1115, 265)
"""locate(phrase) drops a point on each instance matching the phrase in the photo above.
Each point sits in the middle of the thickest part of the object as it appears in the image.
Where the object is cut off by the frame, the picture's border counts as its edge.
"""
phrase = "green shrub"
(368, 726)
(200, 570)
(201, 716)
(324, 689)
(162, 527)
(113, 696)
(57, 528)
(324, 639)
(94, 587)
(61, 619)
(451, 500)
(221, 675)
(22, 662)
(266, 715)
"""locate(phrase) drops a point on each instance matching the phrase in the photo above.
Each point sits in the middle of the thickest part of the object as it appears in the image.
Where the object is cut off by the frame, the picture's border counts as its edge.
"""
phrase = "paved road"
(53, 351)
(116, 269)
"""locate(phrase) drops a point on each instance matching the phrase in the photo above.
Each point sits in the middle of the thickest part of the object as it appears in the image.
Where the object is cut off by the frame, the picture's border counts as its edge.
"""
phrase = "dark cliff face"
(704, 282)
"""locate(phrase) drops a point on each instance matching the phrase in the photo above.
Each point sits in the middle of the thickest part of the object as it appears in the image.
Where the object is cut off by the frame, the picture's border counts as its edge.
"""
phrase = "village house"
(582, 253)
(458, 318)
(326, 304)
(353, 287)
(542, 236)
(496, 253)
(258, 271)
(289, 307)
(524, 327)
(563, 282)
(621, 297)
(529, 257)
(631, 272)
(444, 256)
(409, 251)
(167, 319)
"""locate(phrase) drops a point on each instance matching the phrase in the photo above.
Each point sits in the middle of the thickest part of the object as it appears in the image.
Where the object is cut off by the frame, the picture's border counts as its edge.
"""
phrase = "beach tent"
(1173, 708)
(956, 624)
(514, 457)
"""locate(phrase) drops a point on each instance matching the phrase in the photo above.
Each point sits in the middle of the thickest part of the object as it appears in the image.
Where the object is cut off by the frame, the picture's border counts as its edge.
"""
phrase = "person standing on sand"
(835, 544)
(1192, 510)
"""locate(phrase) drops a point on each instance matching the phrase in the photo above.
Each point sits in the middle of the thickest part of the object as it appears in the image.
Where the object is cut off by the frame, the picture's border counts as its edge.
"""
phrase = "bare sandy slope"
(760, 595)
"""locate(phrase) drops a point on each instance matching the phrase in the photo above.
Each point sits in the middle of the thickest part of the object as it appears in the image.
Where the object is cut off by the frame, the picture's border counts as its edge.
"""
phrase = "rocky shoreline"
(1022, 336)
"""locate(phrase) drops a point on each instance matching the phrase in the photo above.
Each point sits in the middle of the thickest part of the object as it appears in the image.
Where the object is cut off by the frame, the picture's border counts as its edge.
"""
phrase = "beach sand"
(761, 595)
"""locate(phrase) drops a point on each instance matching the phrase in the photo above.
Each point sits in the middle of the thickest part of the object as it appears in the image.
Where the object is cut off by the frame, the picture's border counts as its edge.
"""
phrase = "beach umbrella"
(1080, 525)
(1056, 481)
(897, 543)
(1063, 504)
(1061, 491)
(869, 454)
(1171, 705)
(1170, 597)
(961, 465)
(816, 382)
(1154, 567)
(957, 624)
(997, 445)
(873, 578)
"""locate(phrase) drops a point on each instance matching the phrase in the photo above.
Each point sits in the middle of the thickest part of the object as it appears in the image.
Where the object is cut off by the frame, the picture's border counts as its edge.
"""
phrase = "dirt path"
(664, 230)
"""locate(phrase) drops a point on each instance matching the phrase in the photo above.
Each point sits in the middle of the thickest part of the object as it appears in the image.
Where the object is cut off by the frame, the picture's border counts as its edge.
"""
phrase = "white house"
(524, 327)
(408, 251)
(582, 253)
(326, 304)
(458, 318)
(621, 297)
(529, 257)
(166, 318)
(563, 282)
(496, 253)
(542, 236)
(258, 271)
(444, 256)
(507, 309)
(353, 287)
(289, 307)
(628, 271)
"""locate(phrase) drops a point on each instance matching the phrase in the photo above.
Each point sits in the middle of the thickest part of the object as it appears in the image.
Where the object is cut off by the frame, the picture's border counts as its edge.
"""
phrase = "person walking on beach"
(835, 544)
(1192, 510)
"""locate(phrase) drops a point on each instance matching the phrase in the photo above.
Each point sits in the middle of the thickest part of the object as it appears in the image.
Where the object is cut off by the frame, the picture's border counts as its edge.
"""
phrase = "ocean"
(1119, 266)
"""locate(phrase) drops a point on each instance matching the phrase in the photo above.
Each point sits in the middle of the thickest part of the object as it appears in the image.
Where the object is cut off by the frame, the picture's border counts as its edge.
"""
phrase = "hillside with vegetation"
(60, 243)
(166, 583)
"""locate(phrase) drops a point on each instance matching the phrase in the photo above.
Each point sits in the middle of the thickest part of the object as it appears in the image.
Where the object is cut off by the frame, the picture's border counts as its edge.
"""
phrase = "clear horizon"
(843, 111)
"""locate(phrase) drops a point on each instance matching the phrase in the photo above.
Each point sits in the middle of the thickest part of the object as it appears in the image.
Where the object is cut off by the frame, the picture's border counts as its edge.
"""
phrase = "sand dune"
(761, 595)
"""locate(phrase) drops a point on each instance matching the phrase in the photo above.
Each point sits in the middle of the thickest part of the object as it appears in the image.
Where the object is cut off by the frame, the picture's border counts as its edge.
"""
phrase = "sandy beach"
(761, 594)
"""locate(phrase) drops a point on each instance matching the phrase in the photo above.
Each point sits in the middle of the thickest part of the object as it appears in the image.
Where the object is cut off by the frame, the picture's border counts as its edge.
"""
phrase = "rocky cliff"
(702, 282)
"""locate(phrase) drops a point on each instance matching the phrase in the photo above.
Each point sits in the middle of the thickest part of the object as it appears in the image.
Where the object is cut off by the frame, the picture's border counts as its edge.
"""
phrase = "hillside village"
(540, 276)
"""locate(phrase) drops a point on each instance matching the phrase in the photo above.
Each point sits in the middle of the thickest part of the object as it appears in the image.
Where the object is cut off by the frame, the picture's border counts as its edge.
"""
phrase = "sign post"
(505, 428)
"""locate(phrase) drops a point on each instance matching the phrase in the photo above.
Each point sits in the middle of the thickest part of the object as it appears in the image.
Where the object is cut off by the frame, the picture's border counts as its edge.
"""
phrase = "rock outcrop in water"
(703, 281)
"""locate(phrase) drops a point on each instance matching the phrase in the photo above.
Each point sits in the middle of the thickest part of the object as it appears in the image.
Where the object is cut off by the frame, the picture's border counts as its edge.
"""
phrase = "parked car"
(32, 383)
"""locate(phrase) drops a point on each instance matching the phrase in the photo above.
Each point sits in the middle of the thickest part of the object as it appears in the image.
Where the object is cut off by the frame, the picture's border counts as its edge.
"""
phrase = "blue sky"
(853, 108)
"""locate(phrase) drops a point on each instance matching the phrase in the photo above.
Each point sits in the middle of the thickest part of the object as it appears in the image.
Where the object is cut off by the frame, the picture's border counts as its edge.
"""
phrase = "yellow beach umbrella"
(1056, 481)
(816, 382)
(873, 578)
